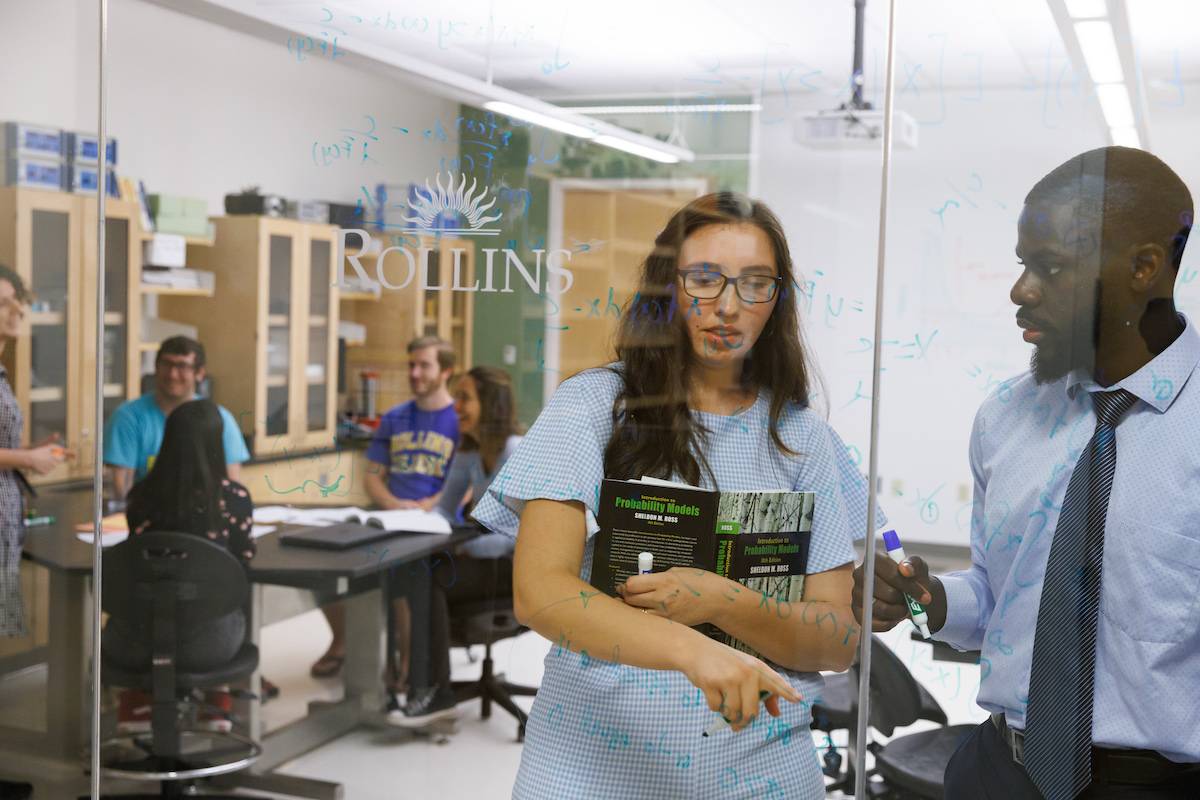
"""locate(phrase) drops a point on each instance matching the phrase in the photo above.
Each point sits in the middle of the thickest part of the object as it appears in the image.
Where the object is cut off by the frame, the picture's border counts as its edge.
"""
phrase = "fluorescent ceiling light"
(1082, 9)
(694, 108)
(1125, 137)
(1099, 51)
(1114, 102)
(538, 118)
(637, 149)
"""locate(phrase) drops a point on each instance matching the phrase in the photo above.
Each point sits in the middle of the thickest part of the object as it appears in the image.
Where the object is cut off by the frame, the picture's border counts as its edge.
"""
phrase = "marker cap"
(890, 540)
(645, 562)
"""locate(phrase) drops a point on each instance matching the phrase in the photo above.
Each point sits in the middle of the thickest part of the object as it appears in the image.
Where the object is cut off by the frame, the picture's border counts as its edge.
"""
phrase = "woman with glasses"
(41, 458)
(712, 388)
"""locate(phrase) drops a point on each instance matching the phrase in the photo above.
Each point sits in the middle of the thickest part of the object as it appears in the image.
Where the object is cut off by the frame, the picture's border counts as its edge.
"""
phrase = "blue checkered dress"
(600, 730)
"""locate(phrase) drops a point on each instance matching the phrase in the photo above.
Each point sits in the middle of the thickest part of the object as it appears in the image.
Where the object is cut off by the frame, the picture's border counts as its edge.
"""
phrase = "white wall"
(950, 275)
(200, 110)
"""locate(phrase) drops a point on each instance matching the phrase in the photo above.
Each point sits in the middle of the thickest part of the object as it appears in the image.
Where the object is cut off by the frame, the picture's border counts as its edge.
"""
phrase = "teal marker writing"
(915, 610)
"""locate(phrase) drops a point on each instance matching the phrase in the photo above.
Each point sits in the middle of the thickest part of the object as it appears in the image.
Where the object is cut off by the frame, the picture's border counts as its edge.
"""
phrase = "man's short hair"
(1137, 198)
(181, 346)
(445, 352)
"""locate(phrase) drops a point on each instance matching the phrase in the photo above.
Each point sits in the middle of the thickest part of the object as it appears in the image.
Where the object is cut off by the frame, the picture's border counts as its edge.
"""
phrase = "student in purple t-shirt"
(415, 441)
(409, 458)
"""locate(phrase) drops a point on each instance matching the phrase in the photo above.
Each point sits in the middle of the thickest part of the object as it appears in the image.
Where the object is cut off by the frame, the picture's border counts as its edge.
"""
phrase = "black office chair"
(835, 712)
(913, 765)
(485, 622)
(161, 582)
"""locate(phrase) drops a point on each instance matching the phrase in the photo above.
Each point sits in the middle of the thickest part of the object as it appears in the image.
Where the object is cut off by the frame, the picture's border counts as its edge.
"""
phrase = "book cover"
(762, 542)
(758, 538)
(675, 523)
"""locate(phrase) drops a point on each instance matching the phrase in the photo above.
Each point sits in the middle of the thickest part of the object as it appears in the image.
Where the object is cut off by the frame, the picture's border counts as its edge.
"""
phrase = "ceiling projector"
(853, 129)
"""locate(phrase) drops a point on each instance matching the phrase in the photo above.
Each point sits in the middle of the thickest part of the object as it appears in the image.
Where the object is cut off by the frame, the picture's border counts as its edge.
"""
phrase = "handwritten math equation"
(391, 26)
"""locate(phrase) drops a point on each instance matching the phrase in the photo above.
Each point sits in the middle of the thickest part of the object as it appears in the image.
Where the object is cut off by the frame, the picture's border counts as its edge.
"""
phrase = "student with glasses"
(40, 458)
(712, 388)
(134, 432)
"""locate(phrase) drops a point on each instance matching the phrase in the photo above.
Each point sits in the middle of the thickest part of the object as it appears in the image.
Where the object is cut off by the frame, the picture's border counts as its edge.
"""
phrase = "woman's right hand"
(45, 458)
(732, 682)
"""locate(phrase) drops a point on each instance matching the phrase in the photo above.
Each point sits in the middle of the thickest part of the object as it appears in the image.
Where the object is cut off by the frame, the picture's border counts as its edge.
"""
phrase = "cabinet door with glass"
(39, 238)
(281, 335)
(318, 379)
(119, 350)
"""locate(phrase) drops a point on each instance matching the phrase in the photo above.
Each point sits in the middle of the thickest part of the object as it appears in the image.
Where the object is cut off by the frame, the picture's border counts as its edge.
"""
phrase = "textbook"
(757, 538)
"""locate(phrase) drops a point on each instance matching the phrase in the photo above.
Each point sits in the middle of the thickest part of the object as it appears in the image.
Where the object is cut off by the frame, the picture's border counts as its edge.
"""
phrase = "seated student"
(712, 388)
(409, 456)
(133, 433)
(188, 490)
(482, 568)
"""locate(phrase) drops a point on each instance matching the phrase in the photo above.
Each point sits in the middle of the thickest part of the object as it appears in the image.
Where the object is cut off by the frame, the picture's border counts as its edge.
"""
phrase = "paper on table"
(260, 530)
(107, 540)
(270, 515)
(405, 519)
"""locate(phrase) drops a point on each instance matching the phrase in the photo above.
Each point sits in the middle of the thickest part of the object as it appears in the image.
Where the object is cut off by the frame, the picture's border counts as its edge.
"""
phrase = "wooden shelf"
(276, 381)
(114, 390)
(47, 318)
(356, 342)
(199, 241)
(277, 320)
(368, 296)
(46, 394)
(316, 321)
(148, 347)
(114, 318)
(154, 288)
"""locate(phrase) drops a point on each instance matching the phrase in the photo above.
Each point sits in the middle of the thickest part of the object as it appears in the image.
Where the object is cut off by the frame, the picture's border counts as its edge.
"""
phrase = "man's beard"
(1048, 365)
(1056, 358)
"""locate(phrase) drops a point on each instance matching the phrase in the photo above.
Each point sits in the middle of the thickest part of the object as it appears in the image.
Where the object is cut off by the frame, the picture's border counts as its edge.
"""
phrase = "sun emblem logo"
(457, 203)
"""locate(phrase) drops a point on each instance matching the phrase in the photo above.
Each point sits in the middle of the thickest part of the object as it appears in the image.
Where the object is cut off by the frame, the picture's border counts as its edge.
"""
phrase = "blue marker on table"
(915, 610)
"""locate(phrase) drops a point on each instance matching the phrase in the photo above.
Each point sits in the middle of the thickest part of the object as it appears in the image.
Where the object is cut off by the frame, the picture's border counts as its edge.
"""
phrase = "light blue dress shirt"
(605, 729)
(1024, 446)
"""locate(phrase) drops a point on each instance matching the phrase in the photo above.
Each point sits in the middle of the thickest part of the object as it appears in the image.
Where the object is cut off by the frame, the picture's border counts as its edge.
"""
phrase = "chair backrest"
(205, 580)
(895, 693)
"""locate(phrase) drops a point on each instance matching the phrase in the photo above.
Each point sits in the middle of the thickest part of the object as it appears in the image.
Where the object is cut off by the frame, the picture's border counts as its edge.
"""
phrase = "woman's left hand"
(685, 595)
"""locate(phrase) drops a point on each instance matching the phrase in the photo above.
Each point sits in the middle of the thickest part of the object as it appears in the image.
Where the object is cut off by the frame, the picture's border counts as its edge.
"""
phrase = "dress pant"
(982, 768)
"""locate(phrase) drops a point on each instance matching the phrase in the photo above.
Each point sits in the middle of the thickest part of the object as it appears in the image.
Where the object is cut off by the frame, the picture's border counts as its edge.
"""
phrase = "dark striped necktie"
(1058, 719)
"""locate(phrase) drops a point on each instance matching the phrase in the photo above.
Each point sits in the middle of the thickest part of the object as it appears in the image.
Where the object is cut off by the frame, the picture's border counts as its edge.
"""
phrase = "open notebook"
(408, 519)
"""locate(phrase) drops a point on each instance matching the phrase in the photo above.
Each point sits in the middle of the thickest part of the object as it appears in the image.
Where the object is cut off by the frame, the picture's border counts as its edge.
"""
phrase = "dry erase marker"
(915, 610)
(645, 563)
(724, 723)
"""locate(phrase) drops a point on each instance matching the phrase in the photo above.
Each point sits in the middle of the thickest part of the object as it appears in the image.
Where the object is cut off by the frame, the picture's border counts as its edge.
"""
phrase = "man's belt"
(1139, 767)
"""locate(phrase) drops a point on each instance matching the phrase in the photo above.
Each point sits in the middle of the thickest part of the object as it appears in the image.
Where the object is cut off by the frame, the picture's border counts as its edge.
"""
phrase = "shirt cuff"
(962, 612)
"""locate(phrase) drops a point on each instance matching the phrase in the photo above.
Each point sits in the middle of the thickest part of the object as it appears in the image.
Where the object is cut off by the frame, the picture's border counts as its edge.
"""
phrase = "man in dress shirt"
(1099, 244)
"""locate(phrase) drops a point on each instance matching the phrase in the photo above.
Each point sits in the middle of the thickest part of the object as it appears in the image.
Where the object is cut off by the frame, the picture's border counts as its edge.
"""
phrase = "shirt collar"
(1159, 381)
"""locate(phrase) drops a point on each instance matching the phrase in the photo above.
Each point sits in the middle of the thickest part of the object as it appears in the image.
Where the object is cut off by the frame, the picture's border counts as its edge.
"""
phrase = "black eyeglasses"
(707, 284)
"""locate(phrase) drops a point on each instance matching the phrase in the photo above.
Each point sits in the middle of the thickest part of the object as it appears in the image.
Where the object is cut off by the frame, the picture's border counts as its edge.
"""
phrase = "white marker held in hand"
(645, 563)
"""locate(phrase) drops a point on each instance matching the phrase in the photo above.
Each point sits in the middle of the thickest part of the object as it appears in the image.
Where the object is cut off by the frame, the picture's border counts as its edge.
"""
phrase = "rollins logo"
(404, 264)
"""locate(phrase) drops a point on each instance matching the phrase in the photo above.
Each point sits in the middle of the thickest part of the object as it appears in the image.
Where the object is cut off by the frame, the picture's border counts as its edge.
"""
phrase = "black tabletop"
(58, 547)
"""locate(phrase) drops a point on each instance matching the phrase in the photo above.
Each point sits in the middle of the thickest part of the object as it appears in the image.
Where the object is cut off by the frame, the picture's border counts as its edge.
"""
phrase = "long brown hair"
(653, 431)
(497, 414)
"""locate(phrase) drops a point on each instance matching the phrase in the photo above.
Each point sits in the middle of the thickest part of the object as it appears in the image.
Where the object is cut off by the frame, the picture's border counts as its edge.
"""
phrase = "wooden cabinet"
(270, 328)
(393, 318)
(50, 239)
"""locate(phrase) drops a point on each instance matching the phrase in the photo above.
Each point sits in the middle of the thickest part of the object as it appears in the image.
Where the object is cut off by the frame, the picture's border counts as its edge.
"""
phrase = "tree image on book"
(777, 520)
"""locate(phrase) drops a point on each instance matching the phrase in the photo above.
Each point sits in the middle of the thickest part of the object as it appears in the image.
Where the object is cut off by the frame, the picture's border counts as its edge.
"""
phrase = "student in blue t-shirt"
(134, 432)
(408, 458)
